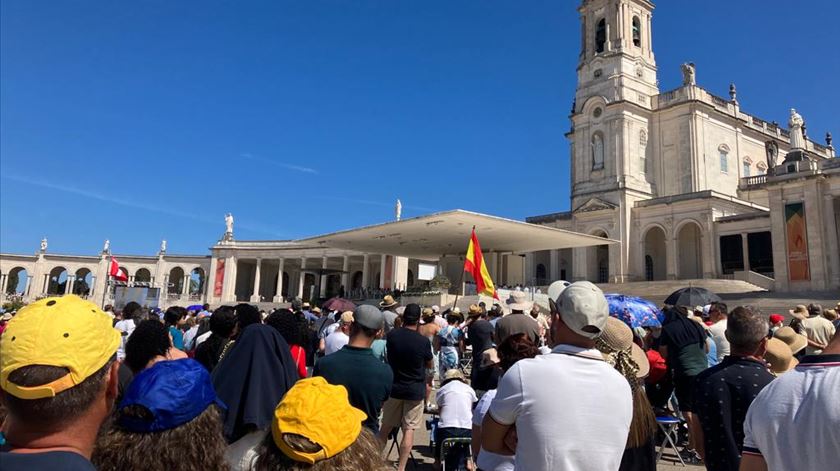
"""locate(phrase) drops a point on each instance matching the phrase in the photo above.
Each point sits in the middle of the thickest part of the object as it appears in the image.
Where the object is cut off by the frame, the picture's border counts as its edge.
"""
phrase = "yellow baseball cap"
(320, 412)
(67, 332)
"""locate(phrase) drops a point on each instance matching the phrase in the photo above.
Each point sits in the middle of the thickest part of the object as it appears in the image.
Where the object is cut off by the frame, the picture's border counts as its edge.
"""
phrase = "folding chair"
(449, 447)
(669, 427)
(396, 444)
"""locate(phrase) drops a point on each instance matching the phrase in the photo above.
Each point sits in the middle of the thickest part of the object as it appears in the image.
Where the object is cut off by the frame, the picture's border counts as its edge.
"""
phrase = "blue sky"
(139, 121)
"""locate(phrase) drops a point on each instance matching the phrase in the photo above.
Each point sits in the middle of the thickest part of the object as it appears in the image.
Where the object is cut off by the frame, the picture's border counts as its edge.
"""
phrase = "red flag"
(474, 264)
(115, 272)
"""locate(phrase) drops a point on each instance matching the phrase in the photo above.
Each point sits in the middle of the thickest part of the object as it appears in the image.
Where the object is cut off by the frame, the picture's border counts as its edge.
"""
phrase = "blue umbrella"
(196, 307)
(634, 311)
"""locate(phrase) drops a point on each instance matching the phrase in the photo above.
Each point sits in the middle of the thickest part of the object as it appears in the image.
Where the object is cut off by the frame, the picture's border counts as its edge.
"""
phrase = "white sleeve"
(505, 406)
(481, 409)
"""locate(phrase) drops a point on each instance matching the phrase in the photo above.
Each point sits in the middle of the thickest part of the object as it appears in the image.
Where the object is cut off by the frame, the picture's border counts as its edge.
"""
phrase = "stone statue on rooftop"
(771, 149)
(689, 71)
(398, 209)
(44, 244)
(106, 247)
(228, 223)
(163, 246)
(797, 138)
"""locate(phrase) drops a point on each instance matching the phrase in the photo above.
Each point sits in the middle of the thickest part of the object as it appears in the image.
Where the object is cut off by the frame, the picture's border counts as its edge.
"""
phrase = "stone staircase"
(657, 291)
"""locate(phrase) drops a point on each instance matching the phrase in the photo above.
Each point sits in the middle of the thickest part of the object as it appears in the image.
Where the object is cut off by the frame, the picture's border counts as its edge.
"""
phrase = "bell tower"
(616, 55)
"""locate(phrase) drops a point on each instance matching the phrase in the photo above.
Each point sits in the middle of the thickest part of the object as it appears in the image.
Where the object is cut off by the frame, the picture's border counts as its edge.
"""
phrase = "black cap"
(411, 315)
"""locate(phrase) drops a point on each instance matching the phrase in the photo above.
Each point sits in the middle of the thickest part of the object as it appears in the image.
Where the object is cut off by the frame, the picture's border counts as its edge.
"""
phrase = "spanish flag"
(474, 264)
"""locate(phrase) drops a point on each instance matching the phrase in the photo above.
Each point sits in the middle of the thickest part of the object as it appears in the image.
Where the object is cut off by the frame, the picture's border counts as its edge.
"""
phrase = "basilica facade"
(689, 183)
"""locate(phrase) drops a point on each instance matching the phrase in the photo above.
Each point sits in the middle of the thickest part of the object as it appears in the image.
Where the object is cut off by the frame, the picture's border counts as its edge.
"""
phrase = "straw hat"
(779, 356)
(830, 314)
(474, 311)
(454, 373)
(799, 312)
(617, 338)
(388, 301)
(795, 341)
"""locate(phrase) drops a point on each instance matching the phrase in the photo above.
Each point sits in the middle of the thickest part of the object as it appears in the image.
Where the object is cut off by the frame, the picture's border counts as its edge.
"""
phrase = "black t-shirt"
(51, 460)
(480, 336)
(723, 395)
(408, 353)
(367, 379)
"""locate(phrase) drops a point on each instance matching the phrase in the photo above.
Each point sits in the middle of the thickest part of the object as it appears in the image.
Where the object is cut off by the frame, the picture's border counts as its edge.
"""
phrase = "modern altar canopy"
(433, 236)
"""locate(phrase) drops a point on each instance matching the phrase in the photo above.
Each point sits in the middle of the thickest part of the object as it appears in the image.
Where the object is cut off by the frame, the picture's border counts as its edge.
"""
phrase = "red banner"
(797, 242)
(220, 278)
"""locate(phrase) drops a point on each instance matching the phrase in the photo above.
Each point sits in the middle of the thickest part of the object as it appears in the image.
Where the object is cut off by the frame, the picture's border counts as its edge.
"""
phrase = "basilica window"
(597, 151)
(637, 32)
(724, 158)
(600, 35)
(761, 168)
(747, 169)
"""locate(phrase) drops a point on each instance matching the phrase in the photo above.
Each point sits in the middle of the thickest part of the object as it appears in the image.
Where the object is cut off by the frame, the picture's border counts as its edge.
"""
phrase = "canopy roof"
(447, 233)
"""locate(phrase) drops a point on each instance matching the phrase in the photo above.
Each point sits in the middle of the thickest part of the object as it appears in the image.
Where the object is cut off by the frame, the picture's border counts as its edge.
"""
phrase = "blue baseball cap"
(174, 392)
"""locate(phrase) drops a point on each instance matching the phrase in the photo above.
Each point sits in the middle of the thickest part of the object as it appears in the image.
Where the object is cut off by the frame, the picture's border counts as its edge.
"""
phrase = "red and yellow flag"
(474, 264)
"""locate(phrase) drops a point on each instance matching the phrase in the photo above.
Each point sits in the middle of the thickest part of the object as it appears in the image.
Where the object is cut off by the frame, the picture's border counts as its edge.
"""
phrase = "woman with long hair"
(169, 420)
(617, 347)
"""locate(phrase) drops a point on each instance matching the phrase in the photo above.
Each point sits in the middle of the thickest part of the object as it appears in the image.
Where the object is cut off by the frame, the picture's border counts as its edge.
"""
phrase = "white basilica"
(690, 184)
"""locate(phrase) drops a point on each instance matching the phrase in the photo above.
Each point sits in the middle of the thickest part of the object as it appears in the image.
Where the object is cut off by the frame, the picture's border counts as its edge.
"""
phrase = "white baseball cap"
(583, 308)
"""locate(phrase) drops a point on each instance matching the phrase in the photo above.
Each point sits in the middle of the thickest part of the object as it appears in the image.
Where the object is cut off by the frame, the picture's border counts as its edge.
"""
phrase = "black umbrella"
(691, 296)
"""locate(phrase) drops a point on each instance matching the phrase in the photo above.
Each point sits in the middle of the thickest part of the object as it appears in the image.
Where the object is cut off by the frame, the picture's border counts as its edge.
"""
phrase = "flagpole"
(461, 282)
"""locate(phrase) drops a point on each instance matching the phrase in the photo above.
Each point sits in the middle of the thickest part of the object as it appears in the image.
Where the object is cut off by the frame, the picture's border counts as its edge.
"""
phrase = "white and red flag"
(115, 272)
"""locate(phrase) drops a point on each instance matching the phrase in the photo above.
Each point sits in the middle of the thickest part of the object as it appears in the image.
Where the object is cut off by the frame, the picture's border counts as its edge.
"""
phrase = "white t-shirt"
(335, 342)
(571, 409)
(126, 327)
(201, 338)
(794, 422)
(718, 331)
(455, 400)
(488, 461)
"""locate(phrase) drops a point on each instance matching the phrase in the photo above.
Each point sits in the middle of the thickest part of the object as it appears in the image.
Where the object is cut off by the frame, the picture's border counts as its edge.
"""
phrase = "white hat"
(518, 301)
(583, 308)
(435, 308)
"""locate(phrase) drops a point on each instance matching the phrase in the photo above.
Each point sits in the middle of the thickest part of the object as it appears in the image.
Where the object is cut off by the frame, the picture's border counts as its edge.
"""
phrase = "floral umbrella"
(634, 311)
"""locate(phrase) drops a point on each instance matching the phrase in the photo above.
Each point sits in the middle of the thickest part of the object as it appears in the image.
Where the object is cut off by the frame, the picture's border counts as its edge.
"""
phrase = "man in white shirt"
(570, 409)
(454, 400)
(793, 422)
(131, 315)
(341, 337)
(718, 314)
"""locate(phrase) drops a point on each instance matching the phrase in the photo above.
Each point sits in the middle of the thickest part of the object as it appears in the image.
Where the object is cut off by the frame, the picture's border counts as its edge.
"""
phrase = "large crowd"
(508, 386)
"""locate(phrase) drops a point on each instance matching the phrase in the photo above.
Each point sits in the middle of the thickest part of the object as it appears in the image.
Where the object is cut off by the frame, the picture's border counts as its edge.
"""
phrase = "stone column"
(322, 286)
(46, 283)
(255, 296)
(28, 285)
(3, 280)
(229, 285)
(301, 277)
(671, 257)
(529, 268)
(816, 237)
(345, 277)
(366, 271)
(746, 250)
(382, 264)
(185, 289)
(68, 287)
(833, 255)
(278, 295)
(554, 265)
(92, 286)
(210, 283)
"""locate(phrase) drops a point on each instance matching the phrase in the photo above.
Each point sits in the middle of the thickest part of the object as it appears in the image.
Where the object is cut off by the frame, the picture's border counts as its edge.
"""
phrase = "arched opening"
(57, 283)
(655, 254)
(598, 258)
(637, 32)
(600, 35)
(333, 285)
(176, 281)
(689, 249)
(197, 281)
(142, 275)
(356, 281)
(83, 282)
(541, 275)
(16, 281)
(410, 279)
